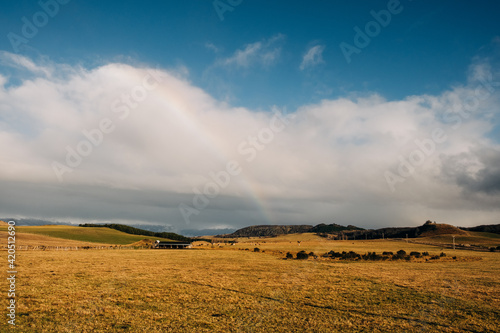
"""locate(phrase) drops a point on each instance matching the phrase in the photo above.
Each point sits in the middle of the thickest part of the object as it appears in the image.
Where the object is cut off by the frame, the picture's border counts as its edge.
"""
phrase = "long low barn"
(172, 245)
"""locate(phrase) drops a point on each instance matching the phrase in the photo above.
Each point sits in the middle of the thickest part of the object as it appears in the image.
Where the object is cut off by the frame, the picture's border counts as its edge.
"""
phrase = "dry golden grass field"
(226, 288)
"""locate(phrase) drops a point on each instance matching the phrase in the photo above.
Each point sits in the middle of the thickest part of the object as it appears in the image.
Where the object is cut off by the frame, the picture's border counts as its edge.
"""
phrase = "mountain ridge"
(334, 230)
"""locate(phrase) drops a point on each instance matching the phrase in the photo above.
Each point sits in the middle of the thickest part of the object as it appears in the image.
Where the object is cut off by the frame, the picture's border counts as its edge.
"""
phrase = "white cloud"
(21, 62)
(263, 53)
(313, 57)
(329, 162)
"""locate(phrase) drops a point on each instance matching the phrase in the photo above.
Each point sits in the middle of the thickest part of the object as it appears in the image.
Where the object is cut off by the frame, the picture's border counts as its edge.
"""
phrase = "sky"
(229, 113)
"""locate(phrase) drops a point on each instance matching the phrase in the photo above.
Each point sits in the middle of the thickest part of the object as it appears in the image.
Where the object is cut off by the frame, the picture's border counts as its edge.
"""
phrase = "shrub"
(415, 254)
(350, 255)
(289, 255)
(442, 254)
(302, 255)
(401, 253)
(311, 254)
(256, 249)
(454, 258)
(353, 255)
(492, 249)
(434, 257)
(371, 256)
(425, 254)
(334, 254)
(386, 253)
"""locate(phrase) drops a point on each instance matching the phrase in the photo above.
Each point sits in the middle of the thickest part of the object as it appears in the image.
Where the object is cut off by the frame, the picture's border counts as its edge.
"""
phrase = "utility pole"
(383, 236)
(453, 242)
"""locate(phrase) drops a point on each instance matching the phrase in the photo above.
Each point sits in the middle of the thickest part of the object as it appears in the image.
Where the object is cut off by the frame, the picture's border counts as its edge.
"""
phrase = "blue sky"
(425, 38)
(403, 130)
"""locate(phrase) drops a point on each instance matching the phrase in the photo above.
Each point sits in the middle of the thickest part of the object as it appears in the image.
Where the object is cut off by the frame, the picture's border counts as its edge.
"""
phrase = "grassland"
(228, 289)
(33, 240)
(90, 235)
(476, 238)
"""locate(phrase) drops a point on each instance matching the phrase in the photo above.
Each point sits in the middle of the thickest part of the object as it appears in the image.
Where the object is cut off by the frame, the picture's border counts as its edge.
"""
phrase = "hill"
(94, 235)
(276, 230)
(269, 230)
(33, 222)
(435, 229)
(328, 228)
(31, 239)
(136, 231)
(428, 229)
(336, 231)
(492, 228)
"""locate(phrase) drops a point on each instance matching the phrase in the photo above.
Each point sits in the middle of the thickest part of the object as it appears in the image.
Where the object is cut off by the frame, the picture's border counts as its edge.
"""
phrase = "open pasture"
(80, 234)
(228, 289)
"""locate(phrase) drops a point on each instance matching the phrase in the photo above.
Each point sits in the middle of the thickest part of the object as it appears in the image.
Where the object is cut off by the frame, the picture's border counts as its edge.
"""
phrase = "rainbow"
(190, 120)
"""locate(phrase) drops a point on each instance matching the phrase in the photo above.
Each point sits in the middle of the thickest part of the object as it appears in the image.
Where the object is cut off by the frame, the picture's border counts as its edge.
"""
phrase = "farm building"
(171, 245)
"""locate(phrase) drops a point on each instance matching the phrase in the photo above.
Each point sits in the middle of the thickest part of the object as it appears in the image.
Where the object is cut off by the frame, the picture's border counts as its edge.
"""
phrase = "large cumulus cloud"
(154, 140)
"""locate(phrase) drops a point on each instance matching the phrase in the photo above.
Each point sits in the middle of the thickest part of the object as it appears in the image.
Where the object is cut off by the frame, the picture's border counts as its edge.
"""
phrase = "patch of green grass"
(94, 235)
(485, 234)
(476, 238)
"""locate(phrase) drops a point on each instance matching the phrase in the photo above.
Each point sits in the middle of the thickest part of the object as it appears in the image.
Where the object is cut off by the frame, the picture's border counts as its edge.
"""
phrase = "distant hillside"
(33, 222)
(336, 231)
(493, 228)
(426, 230)
(136, 231)
(276, 230)
(435, 229)
(92, 235)
(269, 230)
(328, 228)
